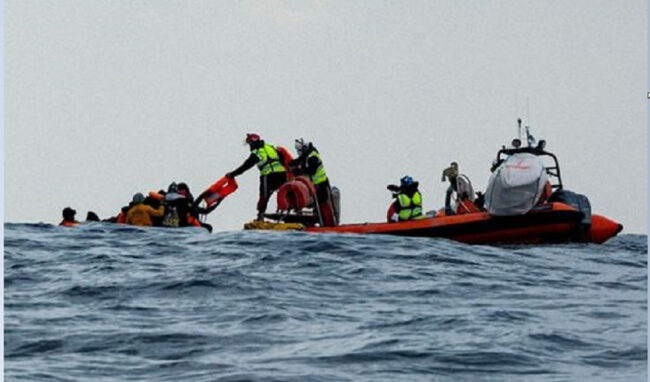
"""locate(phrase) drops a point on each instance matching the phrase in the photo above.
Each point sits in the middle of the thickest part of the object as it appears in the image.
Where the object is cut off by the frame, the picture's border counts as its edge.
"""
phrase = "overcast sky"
(108, 98)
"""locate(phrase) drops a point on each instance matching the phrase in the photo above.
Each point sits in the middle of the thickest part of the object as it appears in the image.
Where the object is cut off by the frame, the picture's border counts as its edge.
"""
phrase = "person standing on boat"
(273, 174)
(408, 203)
(310, 163)
(459, 184)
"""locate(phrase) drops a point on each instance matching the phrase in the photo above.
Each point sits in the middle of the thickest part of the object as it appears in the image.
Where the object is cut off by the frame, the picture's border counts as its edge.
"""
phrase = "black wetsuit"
(268, 183)
(308, 166)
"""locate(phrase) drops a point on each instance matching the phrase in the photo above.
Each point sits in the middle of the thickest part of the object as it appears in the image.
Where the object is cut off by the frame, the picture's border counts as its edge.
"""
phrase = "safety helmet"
(252, 137)
(406, 181)
(300, 145)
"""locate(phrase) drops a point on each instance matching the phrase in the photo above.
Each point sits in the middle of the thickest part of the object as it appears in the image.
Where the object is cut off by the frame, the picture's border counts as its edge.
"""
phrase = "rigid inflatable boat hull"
(551, 223)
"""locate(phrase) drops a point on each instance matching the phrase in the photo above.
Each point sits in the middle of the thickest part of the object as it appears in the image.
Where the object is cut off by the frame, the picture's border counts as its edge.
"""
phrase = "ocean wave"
(112, 303)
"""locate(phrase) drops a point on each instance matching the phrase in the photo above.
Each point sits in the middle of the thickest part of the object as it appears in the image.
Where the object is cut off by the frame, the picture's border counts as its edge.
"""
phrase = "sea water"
(115, 303)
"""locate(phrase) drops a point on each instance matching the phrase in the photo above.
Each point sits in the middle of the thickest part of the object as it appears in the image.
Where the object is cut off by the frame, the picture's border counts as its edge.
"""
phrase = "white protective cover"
(516, 185)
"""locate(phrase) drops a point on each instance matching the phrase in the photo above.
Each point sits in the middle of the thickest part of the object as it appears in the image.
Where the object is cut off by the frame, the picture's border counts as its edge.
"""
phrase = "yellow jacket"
(141, 214)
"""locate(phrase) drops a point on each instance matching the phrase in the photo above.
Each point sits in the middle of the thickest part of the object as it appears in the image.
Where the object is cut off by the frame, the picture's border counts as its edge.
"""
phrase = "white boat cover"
(516, 185)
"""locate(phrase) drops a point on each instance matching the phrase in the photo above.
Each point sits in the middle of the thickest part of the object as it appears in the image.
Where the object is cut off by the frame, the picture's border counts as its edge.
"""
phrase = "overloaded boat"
(525, 202)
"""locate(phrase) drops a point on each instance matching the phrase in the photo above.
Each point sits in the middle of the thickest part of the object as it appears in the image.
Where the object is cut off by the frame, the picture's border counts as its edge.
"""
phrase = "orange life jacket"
(156, 195)
(191, 220)
(219, 190)
(121, 218)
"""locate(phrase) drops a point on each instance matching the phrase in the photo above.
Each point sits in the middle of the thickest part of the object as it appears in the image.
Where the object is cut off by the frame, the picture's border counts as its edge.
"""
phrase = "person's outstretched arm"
(157, 212)
(247, 165)
(205, 211)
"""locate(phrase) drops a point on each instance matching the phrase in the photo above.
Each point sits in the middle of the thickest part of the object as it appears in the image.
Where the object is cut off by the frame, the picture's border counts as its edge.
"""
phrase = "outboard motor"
(336, 203)
(577, 201)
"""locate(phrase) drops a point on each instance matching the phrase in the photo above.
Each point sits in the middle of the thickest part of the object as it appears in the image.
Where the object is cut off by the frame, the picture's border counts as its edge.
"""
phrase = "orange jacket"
(141, 214)
(69, 223)
(192, 221)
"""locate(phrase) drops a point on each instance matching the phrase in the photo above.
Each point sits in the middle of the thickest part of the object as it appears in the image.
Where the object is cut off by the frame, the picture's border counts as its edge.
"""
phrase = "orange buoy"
(293, 195)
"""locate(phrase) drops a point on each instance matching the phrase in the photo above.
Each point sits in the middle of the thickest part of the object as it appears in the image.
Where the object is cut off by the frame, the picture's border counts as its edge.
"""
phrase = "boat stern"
(602, 229)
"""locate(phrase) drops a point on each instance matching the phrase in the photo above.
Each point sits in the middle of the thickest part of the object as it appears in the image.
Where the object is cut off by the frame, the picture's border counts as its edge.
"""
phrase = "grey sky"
(108, 98)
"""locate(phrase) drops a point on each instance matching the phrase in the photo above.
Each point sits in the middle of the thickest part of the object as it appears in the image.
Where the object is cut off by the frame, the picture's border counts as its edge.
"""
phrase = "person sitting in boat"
(408, 203)
(141, 214)
(458, 184)
(193, 210)
(175, 206)
(273, 174)
(121, 217)
(188, 202)
(310, 163)
(92, 217)
(68, 218)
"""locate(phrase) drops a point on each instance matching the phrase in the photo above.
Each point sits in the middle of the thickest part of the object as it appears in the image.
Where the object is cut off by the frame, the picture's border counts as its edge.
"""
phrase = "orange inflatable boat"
(554, 214)
(548, 223)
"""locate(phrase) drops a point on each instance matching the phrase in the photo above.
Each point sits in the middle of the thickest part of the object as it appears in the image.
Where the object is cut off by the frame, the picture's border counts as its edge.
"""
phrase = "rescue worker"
(272, 173)
(68, 218)
(310, 163)
(408, 203)
(459, 184)
(140, 214)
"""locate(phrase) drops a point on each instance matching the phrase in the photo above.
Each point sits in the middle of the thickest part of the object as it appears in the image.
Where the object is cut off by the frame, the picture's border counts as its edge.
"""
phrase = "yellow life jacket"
(411, 207)
(269, 160)
(319, 176)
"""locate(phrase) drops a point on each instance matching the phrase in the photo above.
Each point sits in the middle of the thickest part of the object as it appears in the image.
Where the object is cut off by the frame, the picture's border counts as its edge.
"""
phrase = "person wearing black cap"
(273, 174)
(68, 218)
